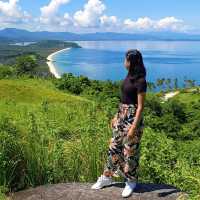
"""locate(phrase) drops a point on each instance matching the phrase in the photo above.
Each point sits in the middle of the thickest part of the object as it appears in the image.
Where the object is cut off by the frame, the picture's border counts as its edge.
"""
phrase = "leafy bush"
(6, 71)
(176, 108)
(71, 83)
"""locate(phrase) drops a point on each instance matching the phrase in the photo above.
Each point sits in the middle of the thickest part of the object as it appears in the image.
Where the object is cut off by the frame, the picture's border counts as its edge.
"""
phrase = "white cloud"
(11, 13)
(50, 17)
(108, 20)
(110, 23)
(12, 9)
(51, 9)
(146, 23)
(170, 23)
(140, 23)
(89, 16)
(67, 20)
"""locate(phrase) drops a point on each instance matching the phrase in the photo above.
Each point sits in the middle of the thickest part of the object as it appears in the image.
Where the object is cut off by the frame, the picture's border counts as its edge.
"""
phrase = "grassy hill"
(35, 91)
(50, 136)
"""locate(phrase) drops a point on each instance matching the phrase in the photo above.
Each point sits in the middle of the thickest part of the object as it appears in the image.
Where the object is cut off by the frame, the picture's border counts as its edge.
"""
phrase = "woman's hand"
(113, 121)
(131, 131)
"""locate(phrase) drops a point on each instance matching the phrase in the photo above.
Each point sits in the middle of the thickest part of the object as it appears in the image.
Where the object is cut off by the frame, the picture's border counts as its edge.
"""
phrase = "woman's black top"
(129, 90)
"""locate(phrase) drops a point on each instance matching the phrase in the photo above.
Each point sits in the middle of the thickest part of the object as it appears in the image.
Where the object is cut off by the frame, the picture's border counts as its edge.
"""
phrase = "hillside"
(35, 91)
(50, 135)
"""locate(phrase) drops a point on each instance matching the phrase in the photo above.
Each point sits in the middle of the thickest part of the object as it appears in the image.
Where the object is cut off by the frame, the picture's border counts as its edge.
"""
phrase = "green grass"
(34, 91)
(50, 133)
(188, 97)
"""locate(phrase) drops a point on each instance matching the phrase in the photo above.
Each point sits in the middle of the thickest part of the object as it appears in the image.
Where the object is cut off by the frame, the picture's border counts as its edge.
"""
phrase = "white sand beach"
(51, 65)
(169, 95)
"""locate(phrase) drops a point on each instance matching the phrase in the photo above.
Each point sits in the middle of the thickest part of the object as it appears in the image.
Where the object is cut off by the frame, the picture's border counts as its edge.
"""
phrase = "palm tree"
(175, 83)
(150, 86)
(191, 83)
(159, 83)
(168, 82)
(185, 82)
(162, 82)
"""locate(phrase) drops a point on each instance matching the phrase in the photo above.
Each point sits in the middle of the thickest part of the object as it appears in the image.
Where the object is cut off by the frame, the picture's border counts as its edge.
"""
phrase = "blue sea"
(103, 60)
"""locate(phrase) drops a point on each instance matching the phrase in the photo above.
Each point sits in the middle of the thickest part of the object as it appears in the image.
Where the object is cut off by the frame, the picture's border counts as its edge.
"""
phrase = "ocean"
(103, 60)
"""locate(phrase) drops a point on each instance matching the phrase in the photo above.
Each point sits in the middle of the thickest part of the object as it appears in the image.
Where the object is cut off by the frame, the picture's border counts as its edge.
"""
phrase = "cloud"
(169, 23)
(141, 23)
(11, 13)
(108, 20)
(146, 23)
(110, 23)
(51, 9)
(10, 8)
(50, 16)
(90, 15)
(67, 20)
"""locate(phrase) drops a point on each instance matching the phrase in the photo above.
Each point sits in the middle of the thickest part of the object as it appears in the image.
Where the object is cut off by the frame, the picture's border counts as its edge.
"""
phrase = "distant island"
(13, 34)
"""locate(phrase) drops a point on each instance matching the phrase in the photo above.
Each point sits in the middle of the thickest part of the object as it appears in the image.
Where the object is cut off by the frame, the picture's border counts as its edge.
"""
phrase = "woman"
(127, 127)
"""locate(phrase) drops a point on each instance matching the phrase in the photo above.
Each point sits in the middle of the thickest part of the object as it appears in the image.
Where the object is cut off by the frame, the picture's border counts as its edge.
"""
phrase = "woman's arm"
(141, 98)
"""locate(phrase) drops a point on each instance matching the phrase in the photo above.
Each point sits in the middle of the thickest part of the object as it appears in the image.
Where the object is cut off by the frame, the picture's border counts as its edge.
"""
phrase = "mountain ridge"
(14, 34)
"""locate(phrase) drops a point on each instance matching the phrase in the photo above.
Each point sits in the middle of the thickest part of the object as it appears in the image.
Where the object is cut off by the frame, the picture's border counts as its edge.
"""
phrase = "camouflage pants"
(123, 152)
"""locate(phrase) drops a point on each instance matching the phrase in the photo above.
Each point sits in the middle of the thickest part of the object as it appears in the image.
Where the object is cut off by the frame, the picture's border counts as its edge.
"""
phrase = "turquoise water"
(103, 60)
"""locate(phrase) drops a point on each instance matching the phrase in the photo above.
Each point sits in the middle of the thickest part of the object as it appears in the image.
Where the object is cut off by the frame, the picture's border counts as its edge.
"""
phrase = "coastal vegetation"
(57, 130)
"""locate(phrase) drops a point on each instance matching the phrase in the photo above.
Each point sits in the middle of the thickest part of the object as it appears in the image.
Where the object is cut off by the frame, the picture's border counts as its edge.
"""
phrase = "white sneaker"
(102, 181)
(130, 186)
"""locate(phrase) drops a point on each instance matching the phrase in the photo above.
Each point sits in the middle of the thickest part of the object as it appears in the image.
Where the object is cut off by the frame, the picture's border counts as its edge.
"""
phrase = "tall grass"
(40, 139)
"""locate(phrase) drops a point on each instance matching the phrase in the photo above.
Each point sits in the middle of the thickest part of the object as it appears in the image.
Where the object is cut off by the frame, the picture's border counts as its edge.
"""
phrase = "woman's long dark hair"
(137, 68)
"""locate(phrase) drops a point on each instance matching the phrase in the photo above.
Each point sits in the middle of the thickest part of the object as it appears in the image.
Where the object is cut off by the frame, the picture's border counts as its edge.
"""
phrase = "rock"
(82, 191)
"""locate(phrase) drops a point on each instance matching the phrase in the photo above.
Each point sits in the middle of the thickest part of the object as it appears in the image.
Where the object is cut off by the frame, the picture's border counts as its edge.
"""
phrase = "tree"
(26, 65)
(151, 86)
(159, 83)
(6, 71)
(175, 83)
(168, 83)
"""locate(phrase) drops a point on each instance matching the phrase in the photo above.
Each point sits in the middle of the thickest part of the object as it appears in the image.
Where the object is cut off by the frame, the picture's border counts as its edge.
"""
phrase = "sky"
(82, 16)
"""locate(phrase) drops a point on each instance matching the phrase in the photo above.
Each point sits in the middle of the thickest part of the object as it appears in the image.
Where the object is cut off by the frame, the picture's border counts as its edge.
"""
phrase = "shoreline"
(169, 95)
(50, 61)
